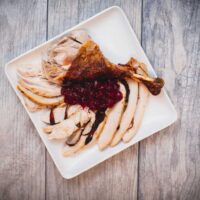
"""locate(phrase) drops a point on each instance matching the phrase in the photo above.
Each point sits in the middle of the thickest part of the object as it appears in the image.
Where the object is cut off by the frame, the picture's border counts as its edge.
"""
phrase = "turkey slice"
(113, 121)
(143, 95)
(29, 70)
(43, 101)
(128, 114)
(31, 106)
(64, 130)
(73, 109)
(63, 53)
(67, 127)
(74, 138)
(70, 150)
(80, 145)
(58, 114)
(41, 91)
(38, 80)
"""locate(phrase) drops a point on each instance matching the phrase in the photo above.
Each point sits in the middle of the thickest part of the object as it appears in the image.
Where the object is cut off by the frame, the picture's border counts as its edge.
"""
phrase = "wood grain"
(22, 157)
(116, 178)
(170, 160)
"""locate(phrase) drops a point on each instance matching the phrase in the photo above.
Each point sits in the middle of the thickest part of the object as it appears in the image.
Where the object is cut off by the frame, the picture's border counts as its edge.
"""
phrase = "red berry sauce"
(97, 95)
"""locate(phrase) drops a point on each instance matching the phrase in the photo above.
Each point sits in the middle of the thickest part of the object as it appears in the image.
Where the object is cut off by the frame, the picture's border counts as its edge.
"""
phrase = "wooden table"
(164, 166)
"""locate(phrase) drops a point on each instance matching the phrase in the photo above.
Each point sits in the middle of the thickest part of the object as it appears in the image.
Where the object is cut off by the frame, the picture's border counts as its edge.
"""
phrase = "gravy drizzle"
(100, 115)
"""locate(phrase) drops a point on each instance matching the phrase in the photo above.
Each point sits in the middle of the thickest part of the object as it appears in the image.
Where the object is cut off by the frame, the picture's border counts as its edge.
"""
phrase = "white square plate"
(117, 40)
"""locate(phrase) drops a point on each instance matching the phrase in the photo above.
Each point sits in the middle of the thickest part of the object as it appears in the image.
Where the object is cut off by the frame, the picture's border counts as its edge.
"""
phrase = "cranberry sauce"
(97, 95)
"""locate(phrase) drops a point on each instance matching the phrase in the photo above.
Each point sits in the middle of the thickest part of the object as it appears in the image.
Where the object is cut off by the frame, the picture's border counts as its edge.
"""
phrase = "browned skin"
(90, 64)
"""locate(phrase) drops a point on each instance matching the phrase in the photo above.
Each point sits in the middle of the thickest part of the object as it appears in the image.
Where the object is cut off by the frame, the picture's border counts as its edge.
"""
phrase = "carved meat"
(62, 54)
(31, 106)
(91, 64)
(143, 95)
(85, 61)
(113, 121)
(29, 70)
(40, 90)
(43, 101)
(128, 114)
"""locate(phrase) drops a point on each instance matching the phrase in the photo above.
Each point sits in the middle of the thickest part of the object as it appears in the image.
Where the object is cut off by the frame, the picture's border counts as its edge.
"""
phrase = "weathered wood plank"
(170, 160)
(116, 178)
(22, 158)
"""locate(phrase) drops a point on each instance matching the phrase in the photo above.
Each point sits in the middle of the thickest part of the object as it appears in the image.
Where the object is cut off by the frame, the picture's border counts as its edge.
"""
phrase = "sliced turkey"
(39, 81)
(85, 128)
(31, 106)
(143, 95)
(74, 138)
(53, 72)
(81, 144)
(128, 114)
(85, 61)
(64, 129)
(67, 127)
(62, 54)
(59, 114)
(43, 101)
(113, 121)
(40, 90)
(29, 70)
(74, 117)
(73, 109)
(69, 150)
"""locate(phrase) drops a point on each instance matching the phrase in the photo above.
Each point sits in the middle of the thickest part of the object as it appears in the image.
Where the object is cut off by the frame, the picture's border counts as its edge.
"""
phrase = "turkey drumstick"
(89, 63)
